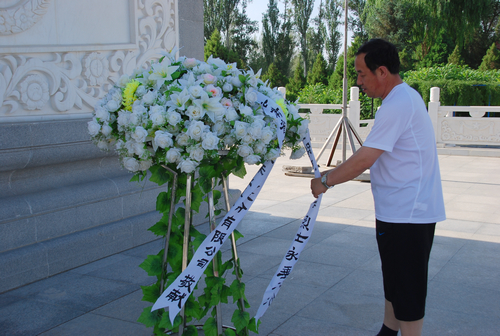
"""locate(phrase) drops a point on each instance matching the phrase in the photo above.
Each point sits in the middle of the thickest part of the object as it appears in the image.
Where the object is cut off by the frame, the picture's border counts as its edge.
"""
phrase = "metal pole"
(344, 90)
(211, 215)
(185, 245)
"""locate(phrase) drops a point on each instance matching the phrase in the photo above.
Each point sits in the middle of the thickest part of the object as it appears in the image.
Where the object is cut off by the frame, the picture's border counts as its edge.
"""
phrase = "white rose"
(227, 87)
(123, 81)
(158, 119)
(303, 127)
(208, 78)
(112, 106)
(182, 139)
(229, 140)
(236, 81)
(102, 114)
(247, 139)
(141, 91)
(253, 81)
(173, 118)
(259, 147)
(240, 129)
(245, 150)
(119, 144)
(251, 96)
(194, 112)
(297, 154)
(123, 118)
(139, 134)
(252, 159)
(138, 148)
(163, 139)
(293, 109)
(106, 129)
(195, 130)
(272, 154)
(231, 114)
(173, 155)
(246, 110)
(187, 166)
(130, 164)
(145, 164)
(196, 153)
(190, 63)
(210, 141)
(156, 109)
(255, 131)
(103, 145)
(93, 127)
(196, 91)
(134, 119)
(219, 127)
(266, 135)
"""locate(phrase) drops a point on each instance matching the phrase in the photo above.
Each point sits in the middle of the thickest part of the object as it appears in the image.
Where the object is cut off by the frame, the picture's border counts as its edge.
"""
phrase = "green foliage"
(319, 72)
(215, 48)
(296, 84)
(274, 76)
(455, 57)
(336, 79)
(302, 10)
(491, 60)
(452, 72)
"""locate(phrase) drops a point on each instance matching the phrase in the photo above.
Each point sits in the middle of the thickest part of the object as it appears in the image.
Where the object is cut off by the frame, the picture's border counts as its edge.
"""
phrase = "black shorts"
(404, 251)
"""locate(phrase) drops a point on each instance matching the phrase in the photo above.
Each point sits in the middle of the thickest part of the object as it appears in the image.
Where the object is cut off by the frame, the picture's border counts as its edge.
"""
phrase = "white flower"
(214, 90)
(179, 100)
(173, 118)
(236, 81)
(139, 134)
(240, 129)
(272, 154)
(227, 87)
(303, 127)
(138, 108)
(210, 141)
(149, 98)
(259, 147)
(245, 150)
(219, 127)
(196, 129)
(294, 111)
(162, 72)
(247, 139)
(187, 166)
(253, 81)
(138, 148)
(173, 155)
(103, 145)
(231, 114)
(229, 140)
(252, 159)
(196, 91)
(196, 153)
(208, 78)
(141, 91)
(102, 114)
(145, 164)
(210, 106)
(190, 63)
(226, 102)
(267, 135)
(297, 154)
(246, 110)
(217, 62)
(163, 139)
(182, 139)
(93, 127)
(106, 129)
(123, 81)
(251, 96)
(112, 106)
(194, 112)
(123, 119)
(157, 116)
(130, 164)
(255, 131)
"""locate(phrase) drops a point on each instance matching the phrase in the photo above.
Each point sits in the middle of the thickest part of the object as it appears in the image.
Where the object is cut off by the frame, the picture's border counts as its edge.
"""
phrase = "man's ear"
(383, 71)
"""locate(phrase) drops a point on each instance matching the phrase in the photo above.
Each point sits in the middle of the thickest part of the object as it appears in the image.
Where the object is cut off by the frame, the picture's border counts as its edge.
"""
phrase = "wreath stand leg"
(169, 228)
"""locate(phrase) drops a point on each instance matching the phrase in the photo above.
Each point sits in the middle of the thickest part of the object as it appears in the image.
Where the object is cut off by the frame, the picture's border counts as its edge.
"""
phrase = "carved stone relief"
(20, 15)
(63, 83)
(471, 131)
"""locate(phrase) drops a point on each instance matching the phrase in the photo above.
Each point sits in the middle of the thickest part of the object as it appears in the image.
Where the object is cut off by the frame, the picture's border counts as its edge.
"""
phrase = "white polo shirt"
(405, 179)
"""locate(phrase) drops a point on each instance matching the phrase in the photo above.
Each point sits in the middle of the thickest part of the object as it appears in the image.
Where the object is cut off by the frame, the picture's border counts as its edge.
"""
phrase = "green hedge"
(459, 92)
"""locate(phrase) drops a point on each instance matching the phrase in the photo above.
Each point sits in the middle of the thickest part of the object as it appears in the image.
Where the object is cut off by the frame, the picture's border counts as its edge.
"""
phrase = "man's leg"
(389, 318)
(412, 328)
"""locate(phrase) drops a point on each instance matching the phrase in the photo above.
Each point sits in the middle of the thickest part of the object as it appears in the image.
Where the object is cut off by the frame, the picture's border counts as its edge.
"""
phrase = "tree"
(241, 34)
(316, 37)
(336, 79)
(333, 14)
(491, 60)
(274, 76)
(302, 10)
(319, 73)
(270, 26)
(357, 20)
(296, 84)
(215, 48)
(455, 57)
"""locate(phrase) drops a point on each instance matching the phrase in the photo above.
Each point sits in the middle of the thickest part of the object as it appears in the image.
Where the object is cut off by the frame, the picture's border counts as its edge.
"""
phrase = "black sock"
(386, 331)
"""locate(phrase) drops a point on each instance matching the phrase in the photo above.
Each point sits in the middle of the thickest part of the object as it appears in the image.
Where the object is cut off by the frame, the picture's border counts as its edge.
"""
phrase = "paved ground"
(335, 288)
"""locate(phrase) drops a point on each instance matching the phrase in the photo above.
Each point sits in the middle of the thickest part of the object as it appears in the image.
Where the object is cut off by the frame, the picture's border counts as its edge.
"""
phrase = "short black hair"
(379, 52)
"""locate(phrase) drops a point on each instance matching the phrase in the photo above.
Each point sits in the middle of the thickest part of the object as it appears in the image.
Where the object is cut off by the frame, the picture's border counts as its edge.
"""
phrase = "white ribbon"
(176, 295)
(298, 244)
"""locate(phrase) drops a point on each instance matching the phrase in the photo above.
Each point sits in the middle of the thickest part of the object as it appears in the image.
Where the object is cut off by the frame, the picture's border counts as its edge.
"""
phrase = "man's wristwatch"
(323, 181)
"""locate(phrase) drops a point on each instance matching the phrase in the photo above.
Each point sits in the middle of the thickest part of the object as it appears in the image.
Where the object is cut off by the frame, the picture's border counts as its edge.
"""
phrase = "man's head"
(377, 65)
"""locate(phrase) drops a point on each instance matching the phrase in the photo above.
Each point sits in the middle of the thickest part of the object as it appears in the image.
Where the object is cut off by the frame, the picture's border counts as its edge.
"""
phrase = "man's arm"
(363, 159)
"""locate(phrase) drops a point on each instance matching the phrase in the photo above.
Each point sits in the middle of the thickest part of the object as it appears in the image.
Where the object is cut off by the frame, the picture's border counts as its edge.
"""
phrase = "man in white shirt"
(406, 185)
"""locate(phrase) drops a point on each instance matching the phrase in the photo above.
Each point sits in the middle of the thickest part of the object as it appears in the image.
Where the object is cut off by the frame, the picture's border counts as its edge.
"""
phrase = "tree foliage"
(319, 72)
(491, 60)
(332, 15)
(296, 83)
(302, 10)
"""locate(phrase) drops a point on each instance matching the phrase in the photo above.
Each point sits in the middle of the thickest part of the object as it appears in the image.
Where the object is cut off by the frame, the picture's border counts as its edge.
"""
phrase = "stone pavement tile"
(75, 291)
(254, 265)
(127, 308)
(95, 325)
(441, 254)
(30, 317)
(479, 253)
(463, 298)
(362, 282)
(363, 238)
(101, 263)
(346, 309)
(299, 326)
(321, 231)
(271, 247)
(127, 270)
(489, 230)
(362, 201)
(439, 322)
(480, 276)
(144, 250)
(290, 209)
(458, 225)
(342, 212)
(261, 223)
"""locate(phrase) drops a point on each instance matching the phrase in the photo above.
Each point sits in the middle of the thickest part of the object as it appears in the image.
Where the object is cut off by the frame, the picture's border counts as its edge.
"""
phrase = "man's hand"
(317, 187)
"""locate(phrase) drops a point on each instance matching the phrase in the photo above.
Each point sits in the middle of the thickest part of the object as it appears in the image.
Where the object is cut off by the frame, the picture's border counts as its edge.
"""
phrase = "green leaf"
(159, 175)
(225, 292)
(152, 265)
(165, 322)
(196, 198)
(252, 326)
(239, 170)
(198, 240)
(237, 289)
(237, 235)
(240, 319)
(210, 327)
(151, 293)
(160, 228)
(190, 330)
(163, 202)
(192, 308)
(242, 78)
(149, 318)
(229, 332)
